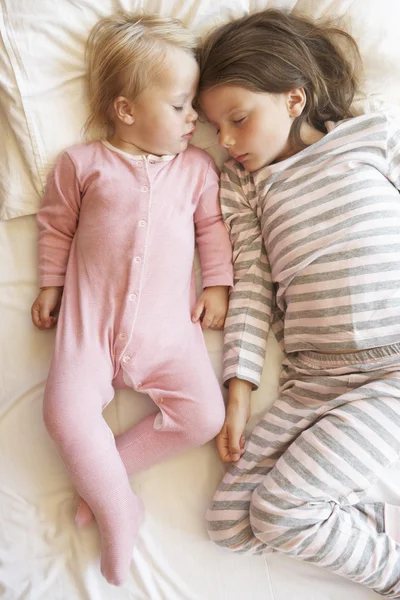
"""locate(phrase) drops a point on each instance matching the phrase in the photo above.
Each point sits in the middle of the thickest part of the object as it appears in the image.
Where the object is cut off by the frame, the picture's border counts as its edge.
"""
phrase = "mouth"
(239, 157)
(189, 135)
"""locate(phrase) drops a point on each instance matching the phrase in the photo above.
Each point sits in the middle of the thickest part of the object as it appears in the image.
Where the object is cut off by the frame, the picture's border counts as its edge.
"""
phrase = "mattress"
(42, 555)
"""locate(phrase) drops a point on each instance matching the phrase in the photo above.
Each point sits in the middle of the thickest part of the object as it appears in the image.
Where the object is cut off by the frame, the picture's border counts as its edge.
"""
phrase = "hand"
(230, 440)
(211, 307)
(44, 310)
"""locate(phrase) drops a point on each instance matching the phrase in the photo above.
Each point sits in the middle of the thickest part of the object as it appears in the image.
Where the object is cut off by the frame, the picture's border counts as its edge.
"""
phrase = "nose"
(226, 140)
(192, 116)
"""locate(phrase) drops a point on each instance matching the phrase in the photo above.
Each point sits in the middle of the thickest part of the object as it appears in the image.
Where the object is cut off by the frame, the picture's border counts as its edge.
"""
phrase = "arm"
(215, 255)
(211, 235)
(250, 304)
(248, 319)
(57, 221)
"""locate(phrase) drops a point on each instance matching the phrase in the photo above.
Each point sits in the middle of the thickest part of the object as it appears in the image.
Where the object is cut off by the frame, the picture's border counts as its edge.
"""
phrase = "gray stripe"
(350, 222)
(347, 273)
(256, 280)
(345, 254)
(323, 462)
(244, 363)
(368, 342)
(245, 346)
(340, 450)
(364, 560)
(371, 423)
(344, 328)
(344, 310)
(268, 225)
(287, 536)
(287, 486)
(231, 505)
(256, 314)
(281, 521)
(351, 545)
(359, 439)
(306, 474)
(329, 544)
(371, 286)
(240, 327)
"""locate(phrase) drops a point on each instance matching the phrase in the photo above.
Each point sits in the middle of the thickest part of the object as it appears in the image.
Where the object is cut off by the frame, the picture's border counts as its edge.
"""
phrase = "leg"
(189, 416)
(309, 506)
(73, 406)
(228, 517)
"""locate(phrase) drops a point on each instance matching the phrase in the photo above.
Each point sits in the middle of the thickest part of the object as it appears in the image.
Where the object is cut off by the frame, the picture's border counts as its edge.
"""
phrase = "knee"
(205, 423)
(61, 421)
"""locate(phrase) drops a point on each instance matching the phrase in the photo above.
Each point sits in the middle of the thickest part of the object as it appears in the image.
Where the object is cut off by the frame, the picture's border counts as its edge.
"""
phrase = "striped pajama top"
(316, 246)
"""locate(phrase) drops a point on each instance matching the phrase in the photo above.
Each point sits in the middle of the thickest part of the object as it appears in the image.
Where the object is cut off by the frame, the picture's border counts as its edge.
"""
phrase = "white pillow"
(42, 92)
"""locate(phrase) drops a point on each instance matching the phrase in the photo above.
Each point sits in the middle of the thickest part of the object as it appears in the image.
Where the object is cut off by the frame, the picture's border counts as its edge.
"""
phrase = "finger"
(35, 314)
(197, 311)
(207, 320)
(45, 317)
(219, 324)
(223, 445)
(234, 444)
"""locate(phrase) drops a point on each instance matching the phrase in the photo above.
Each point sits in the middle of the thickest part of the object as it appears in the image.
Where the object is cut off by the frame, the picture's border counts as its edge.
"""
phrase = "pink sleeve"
(211, 234)
(57, 221)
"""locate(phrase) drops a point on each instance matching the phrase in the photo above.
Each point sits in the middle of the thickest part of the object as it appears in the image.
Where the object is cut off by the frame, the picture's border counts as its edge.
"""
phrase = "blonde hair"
(125, 53)
(273, 51)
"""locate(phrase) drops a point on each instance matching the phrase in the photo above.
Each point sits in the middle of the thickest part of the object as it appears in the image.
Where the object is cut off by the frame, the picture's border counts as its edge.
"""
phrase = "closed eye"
(239, 121)
(178, 108)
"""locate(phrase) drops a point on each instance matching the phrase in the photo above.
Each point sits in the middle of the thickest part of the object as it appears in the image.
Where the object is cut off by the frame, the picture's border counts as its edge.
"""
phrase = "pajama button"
(139, 384)
(132, 297)
(138, 259)
(126, 359)
(160, 400)
(122, 336)
(142, 223)
(145, 188)
(139, 163)
(152, 162)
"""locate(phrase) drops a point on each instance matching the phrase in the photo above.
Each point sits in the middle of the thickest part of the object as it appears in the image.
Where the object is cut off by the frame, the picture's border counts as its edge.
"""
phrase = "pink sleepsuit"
(118, 231)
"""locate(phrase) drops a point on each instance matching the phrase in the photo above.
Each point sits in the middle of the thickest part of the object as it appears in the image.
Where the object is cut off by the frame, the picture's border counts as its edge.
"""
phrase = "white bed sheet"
(42, 555)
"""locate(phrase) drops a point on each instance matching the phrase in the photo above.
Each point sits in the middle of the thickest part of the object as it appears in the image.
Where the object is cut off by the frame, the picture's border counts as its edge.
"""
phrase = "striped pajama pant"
(299, 486)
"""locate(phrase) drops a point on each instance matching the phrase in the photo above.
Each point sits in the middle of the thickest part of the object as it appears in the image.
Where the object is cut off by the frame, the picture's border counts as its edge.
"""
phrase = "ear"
(296, 101)
(124, 110)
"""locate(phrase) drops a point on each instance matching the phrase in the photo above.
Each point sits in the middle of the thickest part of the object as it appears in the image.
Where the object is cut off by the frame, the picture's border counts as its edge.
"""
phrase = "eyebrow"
(227, 114)
(233, 110)
(181, 96)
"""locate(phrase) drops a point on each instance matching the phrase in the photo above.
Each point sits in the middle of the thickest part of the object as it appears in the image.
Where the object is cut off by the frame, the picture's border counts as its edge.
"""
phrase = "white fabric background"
(42, 556)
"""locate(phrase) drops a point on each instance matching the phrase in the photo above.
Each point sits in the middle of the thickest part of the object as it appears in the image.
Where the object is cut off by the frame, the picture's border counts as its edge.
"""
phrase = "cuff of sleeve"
(221, 279)
(51, 280)
(253, 379)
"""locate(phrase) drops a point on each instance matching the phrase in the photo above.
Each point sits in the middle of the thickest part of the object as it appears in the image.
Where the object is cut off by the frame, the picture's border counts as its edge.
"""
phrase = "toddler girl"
(117, 231)
(311, 200)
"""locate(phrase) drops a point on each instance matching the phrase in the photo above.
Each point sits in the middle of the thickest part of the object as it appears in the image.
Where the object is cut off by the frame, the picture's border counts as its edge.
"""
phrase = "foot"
(117, 546)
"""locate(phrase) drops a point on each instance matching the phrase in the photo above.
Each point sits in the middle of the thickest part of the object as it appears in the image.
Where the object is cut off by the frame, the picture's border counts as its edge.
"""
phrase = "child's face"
(253, 127)
(164, 118)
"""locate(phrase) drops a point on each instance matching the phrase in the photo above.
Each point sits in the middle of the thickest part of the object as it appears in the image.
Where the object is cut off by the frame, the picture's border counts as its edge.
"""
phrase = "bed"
(42, 555)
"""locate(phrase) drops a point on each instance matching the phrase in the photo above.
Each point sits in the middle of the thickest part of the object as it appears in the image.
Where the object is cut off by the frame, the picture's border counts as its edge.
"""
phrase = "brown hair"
(125, 53)
(274, 51)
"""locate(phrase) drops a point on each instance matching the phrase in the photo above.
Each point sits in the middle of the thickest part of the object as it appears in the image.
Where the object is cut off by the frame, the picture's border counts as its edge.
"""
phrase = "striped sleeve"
(248, 318)
(393, 147)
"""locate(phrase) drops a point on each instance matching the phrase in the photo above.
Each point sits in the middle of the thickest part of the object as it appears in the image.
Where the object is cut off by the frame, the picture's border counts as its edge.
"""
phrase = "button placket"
(137, 275)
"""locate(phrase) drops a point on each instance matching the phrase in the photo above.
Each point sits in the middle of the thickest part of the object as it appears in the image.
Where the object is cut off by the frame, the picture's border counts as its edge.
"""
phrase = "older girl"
(311, 200)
